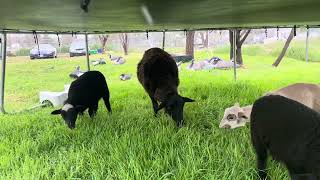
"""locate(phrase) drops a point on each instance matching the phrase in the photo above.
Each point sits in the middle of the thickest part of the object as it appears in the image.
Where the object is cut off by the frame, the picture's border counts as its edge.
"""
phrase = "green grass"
(131, 143)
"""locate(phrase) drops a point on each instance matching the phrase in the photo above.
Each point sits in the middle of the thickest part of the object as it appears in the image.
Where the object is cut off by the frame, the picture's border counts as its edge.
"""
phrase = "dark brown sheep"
(158, 74)
(290, 132)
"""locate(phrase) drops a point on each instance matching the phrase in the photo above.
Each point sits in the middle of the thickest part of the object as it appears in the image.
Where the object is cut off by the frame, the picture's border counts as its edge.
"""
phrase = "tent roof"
(126, 15)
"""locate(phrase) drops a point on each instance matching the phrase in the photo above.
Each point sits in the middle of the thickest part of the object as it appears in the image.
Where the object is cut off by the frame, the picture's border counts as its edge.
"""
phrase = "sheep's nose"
(226, 126)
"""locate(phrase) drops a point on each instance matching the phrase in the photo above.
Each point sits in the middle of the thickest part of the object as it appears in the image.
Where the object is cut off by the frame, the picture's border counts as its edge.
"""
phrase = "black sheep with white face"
(158, 74)
(84, 93)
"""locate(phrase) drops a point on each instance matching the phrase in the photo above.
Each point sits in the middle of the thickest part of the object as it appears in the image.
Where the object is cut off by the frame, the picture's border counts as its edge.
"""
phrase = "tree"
(190, 43)
(124, 42)
(285, 48)
(241, 36)
(103, 40)
(204, 38)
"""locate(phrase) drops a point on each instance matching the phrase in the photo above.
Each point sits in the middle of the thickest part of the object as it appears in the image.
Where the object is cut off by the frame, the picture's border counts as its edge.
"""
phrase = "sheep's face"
(233, 117)
(174, 107)
(69, 114)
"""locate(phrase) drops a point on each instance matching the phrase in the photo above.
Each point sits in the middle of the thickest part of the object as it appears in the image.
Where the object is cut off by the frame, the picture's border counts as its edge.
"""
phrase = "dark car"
(44, 51)
(77, 48)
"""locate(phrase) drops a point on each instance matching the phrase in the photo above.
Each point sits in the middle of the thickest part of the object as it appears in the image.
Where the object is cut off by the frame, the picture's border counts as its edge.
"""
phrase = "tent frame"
(4, 33)
(14, 31)
(3, 70)
(234, 52)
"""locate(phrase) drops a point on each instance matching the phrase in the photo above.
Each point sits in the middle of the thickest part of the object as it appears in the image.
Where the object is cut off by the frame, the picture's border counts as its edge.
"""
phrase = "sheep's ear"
(161, 106)
(185, 99)
(55, 112)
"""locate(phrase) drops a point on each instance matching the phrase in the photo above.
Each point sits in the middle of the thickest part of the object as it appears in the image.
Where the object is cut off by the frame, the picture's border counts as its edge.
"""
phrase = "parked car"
(77, 48)
(44, 51)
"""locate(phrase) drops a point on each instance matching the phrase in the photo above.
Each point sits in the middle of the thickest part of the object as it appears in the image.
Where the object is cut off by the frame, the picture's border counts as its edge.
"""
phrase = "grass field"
(131, 143)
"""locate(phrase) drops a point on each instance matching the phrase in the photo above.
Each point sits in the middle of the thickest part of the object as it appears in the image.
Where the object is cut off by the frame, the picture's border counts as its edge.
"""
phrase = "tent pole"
(87, 52)
(234, 54)
(163, 39)
(307, 45)
(3, 72)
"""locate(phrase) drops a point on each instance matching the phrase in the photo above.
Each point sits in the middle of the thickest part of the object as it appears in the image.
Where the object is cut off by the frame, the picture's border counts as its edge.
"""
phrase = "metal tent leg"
(234, 54)
(87, 52)
(307, 45)
(3, 72)
(163, 39)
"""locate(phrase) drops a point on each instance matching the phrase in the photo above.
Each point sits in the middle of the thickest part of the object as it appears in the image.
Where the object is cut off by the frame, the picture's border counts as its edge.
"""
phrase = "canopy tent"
(126, 15)
(112, 16)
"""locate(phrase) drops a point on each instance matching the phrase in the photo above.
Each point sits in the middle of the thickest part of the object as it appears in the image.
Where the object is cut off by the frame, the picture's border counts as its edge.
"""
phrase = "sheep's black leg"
(154, 105)
(262, 154)
(262, 161)
(93, 110)
(107, 102)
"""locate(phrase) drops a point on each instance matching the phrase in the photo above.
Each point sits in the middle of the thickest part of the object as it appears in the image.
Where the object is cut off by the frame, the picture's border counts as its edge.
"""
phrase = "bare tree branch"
(284, 50)
(242, 33)
(245, 36)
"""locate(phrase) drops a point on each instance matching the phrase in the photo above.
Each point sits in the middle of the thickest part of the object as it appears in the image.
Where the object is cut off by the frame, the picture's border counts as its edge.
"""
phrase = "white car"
(78, 48)
(43, 51)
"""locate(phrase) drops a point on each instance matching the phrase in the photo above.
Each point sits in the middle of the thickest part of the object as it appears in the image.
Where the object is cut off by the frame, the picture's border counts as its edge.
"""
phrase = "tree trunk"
(239, 59)
(124, 42)
(103, 40)
(285, 48)
(241, 36)
(190, 43)
(204, 39)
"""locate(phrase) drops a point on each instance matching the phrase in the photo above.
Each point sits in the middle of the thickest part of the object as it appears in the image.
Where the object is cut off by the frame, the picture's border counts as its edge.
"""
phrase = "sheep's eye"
(244, 117)
(231, 117)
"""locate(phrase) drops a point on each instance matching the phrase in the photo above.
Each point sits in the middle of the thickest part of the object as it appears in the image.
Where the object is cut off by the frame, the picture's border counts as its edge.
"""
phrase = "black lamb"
(290, 132)
(85, 92)
(158, 74)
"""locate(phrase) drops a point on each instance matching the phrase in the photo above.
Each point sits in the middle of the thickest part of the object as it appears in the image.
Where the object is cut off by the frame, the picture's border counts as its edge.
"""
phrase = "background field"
(131, 143)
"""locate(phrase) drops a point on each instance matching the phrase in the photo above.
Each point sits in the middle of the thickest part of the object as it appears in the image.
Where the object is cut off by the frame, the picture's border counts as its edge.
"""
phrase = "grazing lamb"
(290, 132)
(158, 74)
(85, 92)
(305, 93)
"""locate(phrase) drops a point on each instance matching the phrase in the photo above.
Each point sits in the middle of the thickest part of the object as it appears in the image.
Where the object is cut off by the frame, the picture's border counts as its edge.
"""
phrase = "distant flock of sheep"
(285, 124)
